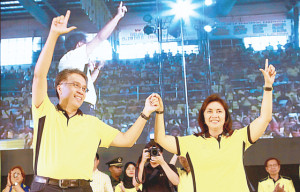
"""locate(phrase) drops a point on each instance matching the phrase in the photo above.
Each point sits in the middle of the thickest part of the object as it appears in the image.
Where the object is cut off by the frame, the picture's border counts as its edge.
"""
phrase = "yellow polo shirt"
(268, 184)
(217, 164)
(68, 145)
(185, 181)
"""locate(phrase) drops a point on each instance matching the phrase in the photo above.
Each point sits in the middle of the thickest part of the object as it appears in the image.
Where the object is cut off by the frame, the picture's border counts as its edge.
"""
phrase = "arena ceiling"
(44, 10)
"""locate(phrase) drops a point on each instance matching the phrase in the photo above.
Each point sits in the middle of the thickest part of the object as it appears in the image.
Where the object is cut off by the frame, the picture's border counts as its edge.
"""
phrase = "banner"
(251, 29)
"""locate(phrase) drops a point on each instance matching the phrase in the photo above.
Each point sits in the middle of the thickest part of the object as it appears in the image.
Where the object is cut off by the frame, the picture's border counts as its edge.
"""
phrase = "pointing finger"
(67, 16)
(266, 64)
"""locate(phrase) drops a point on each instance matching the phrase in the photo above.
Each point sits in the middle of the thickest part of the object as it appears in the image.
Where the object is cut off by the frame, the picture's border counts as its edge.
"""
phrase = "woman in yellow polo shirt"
(215, 155)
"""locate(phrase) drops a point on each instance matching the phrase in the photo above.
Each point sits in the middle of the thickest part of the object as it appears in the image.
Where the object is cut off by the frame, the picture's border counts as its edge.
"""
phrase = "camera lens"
(154, 152)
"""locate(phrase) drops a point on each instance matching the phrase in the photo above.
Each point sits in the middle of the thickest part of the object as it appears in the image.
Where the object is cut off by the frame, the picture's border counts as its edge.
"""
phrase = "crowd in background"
(123, 86)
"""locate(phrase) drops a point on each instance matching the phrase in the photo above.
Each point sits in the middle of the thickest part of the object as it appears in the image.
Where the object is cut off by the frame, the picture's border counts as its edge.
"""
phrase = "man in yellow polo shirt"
(275, 182)
(66, 140)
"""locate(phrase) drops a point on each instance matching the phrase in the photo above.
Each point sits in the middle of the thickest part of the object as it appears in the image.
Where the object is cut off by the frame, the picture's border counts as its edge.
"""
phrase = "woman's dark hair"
(128, 180)
(227, 128)
(72, 40)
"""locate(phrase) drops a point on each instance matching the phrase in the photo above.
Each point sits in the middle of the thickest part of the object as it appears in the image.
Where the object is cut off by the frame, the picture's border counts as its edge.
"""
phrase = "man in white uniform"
(101, 182)
(79, 53)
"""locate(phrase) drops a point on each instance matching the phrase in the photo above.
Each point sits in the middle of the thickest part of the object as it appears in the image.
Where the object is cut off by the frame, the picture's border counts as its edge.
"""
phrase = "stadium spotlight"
(208, 28)
(208, 2)
(183, 9)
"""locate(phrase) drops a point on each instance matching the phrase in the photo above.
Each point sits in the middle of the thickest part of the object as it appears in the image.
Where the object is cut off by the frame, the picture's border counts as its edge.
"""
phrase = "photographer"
(157, 175)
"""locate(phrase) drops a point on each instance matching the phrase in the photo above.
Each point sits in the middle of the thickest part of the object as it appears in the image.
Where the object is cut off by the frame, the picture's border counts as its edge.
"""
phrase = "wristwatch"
(268, 88)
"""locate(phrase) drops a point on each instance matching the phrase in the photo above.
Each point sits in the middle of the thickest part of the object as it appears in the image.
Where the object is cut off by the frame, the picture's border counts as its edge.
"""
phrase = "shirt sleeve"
(244, 134)
(260, 187)
(40, 111)
(182, 144)
(291, 187)
(74, 59)
(107, 134)
(108, 185)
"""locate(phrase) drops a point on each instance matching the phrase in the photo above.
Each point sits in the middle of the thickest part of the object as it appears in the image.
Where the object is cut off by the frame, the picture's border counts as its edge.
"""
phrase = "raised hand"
(60, 24)
(159, 159)
(158, 98)
(121, 10)
(151, 105)
(146, 155)
(8, 180)
(269, 74)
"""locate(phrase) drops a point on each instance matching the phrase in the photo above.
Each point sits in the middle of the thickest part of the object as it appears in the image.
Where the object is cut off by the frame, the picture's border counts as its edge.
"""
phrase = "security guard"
(115, 169)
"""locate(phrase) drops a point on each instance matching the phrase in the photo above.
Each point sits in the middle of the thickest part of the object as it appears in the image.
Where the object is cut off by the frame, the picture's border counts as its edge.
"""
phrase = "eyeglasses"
(273, 165)
(77, 86)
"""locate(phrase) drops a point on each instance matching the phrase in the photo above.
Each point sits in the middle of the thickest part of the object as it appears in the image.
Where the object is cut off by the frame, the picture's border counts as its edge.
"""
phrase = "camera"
(16, 175)
(154, 151)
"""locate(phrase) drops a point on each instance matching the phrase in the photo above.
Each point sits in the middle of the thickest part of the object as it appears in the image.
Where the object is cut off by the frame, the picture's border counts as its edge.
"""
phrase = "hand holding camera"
(158, 159)
(154, 151)
(146, 155)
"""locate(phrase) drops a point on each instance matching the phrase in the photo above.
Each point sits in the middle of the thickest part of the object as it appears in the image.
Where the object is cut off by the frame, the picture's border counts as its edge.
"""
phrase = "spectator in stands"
(279, 49)
(64, 136)
(157, 175)
(185, 176)
(274, 181)
(115, 169)
(126, 185)
(175, 130)
(79, 53)
(12, 70)
(101, 182)
(250, 49)
(236, 124)
(216, 125)
(275, 128)
(290, 126)
(15, 180)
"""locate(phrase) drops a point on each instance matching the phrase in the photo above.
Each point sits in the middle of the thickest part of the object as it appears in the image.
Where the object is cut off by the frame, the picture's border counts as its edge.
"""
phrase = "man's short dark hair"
(72, 40)
(271, 158)
(97, 156)
(63, 75)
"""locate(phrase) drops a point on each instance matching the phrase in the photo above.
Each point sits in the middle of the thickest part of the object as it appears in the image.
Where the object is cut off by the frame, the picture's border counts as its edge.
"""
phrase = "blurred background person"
(115, 169)
(185, 176)
(15, 180)
(127, 184)
(101, 182)
(275, 182)
(157, 175)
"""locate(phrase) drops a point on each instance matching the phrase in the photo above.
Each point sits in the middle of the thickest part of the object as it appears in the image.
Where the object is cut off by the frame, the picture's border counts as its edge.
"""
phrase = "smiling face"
(130, 171)
(214, 116)
(70, 90)
(16, 176)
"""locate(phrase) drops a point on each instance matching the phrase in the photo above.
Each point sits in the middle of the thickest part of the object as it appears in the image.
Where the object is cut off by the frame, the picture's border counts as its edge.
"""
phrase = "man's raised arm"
(39, 86)
(107, 30)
